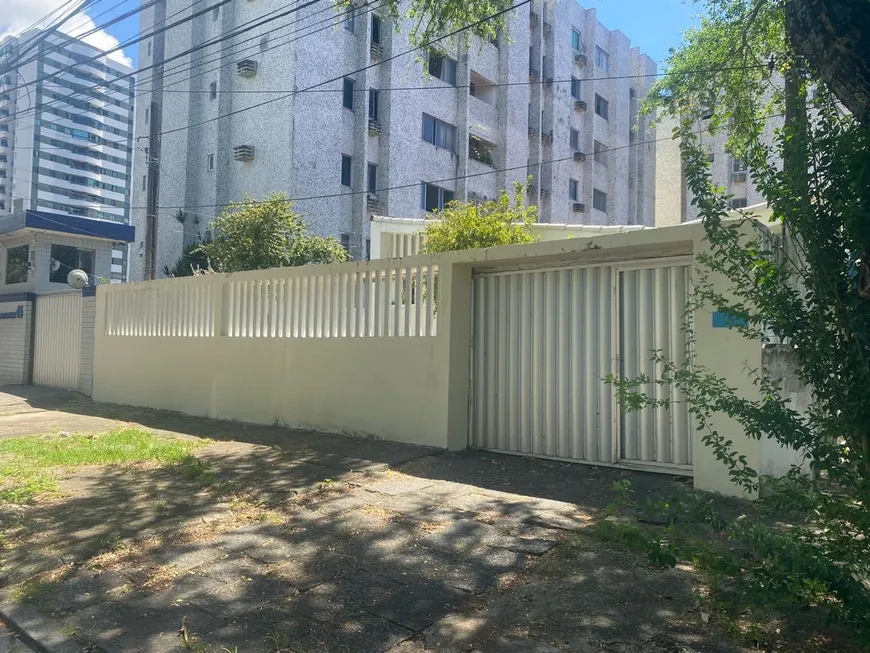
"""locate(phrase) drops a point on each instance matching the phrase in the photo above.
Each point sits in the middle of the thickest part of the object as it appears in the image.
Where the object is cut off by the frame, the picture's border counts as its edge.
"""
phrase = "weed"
(278, 639)
(193, 469)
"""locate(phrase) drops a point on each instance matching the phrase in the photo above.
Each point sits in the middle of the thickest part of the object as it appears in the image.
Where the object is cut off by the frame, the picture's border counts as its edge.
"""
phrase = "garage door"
(542, 342)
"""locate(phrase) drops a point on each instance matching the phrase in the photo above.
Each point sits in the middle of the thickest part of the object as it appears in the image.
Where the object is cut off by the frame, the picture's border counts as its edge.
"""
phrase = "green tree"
(469, 225)
(256, 235)
(809, 286)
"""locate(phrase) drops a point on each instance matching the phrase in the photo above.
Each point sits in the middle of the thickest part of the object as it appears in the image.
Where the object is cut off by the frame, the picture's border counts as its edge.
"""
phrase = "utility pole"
(152, 155)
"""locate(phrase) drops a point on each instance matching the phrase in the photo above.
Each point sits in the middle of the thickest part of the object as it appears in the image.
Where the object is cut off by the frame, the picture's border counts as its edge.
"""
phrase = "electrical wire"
(354, 72)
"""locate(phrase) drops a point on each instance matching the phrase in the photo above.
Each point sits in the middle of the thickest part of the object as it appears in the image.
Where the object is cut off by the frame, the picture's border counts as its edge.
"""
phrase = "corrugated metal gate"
(544, 339)
(58, 339)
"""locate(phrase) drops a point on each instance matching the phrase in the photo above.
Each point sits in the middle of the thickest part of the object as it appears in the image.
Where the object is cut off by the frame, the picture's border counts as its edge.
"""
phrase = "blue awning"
(68, 224)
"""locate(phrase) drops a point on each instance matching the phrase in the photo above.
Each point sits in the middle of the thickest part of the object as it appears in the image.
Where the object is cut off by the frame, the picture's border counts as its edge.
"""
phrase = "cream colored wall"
(409, 389)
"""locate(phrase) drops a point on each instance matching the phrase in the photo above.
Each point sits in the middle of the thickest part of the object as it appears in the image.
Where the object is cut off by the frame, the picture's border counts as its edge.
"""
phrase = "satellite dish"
(78, 279)
(55, 265)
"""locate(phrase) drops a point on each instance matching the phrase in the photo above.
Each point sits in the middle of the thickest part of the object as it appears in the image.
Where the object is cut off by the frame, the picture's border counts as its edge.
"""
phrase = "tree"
(193, 260)
(469, 225)
(254, 235)
(834, 36)
(806, 287)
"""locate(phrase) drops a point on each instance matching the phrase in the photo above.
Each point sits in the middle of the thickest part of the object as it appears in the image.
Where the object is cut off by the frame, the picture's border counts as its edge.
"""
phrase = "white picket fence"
(375, 301)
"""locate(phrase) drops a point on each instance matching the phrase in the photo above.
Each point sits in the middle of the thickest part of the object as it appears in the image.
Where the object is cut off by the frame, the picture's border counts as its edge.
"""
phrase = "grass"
(29, 465)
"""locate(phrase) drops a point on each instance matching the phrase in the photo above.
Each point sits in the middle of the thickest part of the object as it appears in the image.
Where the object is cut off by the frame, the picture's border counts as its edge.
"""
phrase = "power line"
(354, 72)
(121, 46)
(215, 41)
(438, 88)
(47, 31)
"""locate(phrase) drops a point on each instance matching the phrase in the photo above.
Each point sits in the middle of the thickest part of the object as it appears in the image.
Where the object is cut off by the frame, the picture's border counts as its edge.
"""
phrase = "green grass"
(28, 465)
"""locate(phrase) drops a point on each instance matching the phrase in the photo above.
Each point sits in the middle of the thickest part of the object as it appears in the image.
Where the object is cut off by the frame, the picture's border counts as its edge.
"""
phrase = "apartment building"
(66, 138)
(673, 198)
(394, 131)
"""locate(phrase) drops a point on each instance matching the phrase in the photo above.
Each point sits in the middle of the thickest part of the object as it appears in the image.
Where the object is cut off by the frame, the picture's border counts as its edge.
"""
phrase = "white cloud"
(18, 15)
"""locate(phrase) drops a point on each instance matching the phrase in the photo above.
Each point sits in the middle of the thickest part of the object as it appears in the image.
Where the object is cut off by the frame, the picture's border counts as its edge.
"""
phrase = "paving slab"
(461, 536)
(418, 606)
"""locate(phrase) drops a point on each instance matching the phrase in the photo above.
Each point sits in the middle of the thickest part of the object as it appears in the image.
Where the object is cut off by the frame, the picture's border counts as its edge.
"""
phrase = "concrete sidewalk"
(279, 540)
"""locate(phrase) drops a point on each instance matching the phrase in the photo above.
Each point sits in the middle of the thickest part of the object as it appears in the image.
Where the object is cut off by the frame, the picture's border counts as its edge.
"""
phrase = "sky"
(653, 25)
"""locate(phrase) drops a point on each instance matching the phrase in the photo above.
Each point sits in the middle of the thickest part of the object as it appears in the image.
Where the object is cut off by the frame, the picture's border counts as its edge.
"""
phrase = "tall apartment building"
(554, 98)
(673, 198)
(66, 138)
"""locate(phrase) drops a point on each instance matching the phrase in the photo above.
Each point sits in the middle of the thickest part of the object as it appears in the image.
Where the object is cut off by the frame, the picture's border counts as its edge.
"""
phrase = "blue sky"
(653, 25)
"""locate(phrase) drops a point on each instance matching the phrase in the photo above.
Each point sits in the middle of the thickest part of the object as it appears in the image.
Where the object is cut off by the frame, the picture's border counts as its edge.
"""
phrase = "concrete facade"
(673, 199)
(65, 144)
(298, 140)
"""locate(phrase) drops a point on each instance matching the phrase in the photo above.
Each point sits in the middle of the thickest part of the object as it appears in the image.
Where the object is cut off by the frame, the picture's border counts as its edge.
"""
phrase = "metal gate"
(543, 340)
(57, 340)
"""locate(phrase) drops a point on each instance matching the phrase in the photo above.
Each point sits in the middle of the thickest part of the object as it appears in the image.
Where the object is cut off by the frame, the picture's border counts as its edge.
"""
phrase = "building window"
(575, 139)
(434, 198)
(573, 190)
(575, 41)
(376, 29)
(480, 150)
(215, 13)
(738, 165)
(442, 67)
(16, 264)
(439, 133)
(739, 203)
(147, 116)
(368, 249)
(210, 162)
(602, 59)
(264, 43)
(372, 178)
(600, 155)
(346, 162)
(345, 242)
(347, 96)
(65, 258)
(212, 91)
(349, 21)
(148, 47)
(599, 200)
(374, 98)
(602, 106)
(144, 182)
(575, 88)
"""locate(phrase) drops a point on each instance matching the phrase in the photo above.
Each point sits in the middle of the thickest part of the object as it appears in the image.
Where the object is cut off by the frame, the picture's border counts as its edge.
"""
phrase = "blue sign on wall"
(18, 313)
(723, 320)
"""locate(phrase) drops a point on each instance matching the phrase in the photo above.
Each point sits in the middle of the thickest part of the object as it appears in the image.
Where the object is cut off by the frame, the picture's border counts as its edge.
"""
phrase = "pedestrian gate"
(543, 341)
(57, 341)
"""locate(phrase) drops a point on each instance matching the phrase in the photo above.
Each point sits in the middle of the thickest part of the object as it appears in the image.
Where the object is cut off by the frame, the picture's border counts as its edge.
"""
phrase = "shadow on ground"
(278, 540)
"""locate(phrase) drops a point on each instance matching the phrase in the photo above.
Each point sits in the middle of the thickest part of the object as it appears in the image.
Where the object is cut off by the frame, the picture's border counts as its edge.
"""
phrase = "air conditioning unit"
(579, 207)
(545, 192)
(372, 202)
(243, 152)
(548, 80)
(547, 137)
(374, 127)
(532, 131)
(579, 156)
(580, 58)
(376, 50)
(548, 29)
(533, 18)
(246, 67)
(532, 189)
(738, 176)
(580, 105)
(533, 73)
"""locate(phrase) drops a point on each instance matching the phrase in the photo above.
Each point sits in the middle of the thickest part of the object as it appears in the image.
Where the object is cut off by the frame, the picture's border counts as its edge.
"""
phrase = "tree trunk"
(834, 36)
